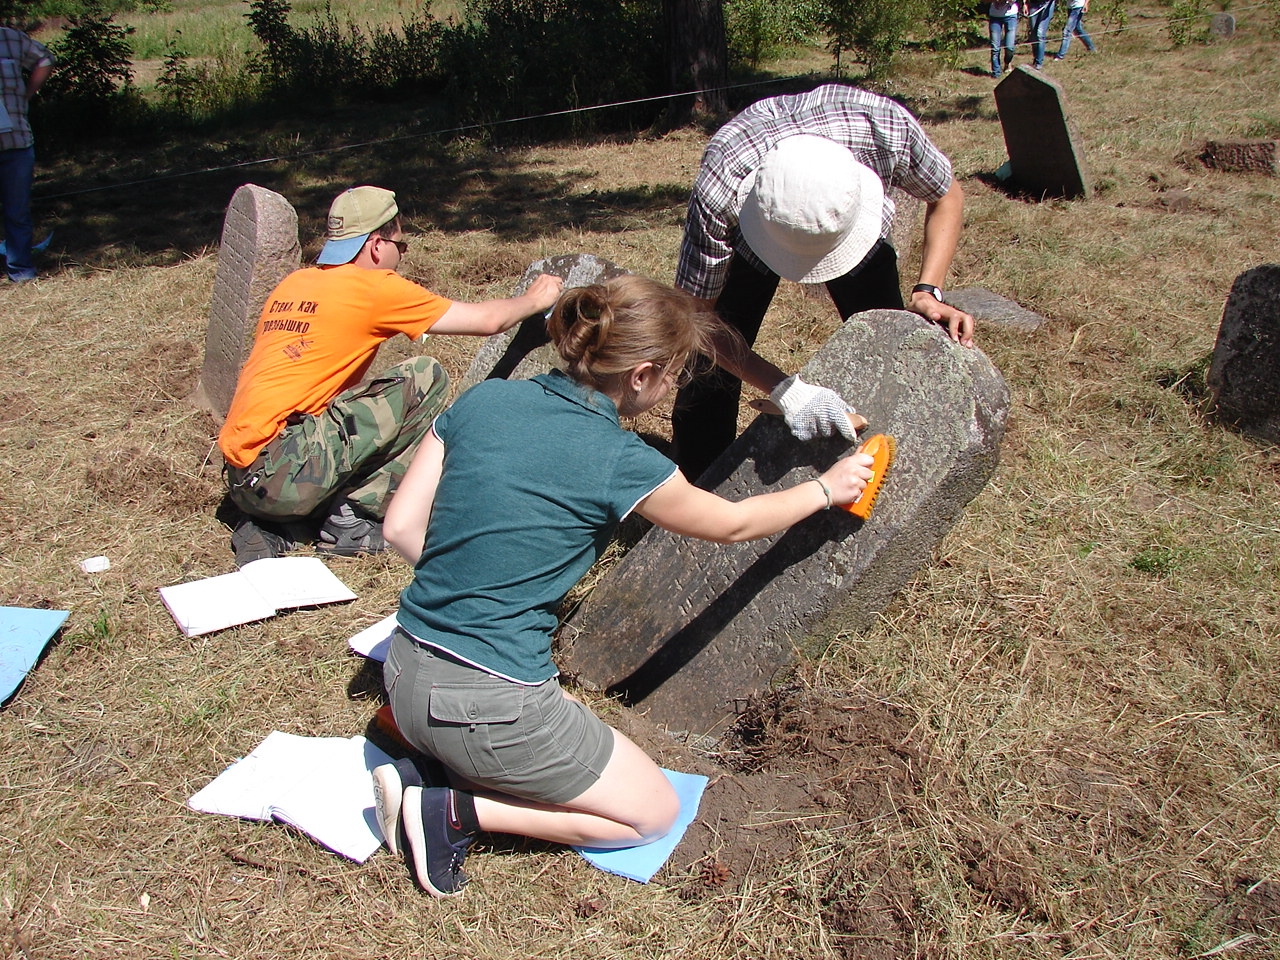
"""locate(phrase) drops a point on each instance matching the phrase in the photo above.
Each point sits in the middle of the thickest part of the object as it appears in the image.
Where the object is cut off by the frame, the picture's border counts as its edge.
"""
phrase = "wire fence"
(1161, 24)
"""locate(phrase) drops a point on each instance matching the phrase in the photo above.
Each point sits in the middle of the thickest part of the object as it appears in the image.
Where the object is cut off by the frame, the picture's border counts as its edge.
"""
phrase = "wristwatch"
(930, 289)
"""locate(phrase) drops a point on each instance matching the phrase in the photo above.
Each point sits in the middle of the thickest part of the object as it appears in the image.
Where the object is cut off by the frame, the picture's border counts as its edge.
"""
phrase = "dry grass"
(1085, 677)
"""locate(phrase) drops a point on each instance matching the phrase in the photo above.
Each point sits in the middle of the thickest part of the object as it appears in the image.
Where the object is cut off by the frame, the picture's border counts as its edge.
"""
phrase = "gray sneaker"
(258, 539)
(345, 533)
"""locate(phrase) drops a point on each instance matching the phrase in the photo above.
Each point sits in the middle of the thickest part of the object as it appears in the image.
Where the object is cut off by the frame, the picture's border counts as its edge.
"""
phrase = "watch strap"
(929, 288)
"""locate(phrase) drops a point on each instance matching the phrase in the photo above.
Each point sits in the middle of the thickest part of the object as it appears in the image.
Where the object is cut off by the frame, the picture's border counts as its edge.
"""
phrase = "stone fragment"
(259, 248)
(1244, 375)
(686, 629)
(1043, 158)
(1240, 156)
(987, 307)
(524, 351)
(1222, 25)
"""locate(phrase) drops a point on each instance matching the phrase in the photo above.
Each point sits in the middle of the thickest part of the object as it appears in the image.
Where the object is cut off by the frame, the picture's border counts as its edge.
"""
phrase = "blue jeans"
(1004, 33)
(1040, 30)
(16, 170)
(1075, 27)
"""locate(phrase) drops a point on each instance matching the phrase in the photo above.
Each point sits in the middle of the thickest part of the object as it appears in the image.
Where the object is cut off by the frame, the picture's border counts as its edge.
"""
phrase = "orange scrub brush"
(881, 447)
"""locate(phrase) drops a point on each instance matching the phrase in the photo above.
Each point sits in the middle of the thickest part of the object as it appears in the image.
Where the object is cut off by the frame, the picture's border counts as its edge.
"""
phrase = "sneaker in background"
(345, 533)
(258, 539)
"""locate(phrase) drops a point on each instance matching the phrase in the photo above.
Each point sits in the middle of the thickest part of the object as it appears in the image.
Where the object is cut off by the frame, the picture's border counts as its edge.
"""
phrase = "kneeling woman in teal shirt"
(512, 496)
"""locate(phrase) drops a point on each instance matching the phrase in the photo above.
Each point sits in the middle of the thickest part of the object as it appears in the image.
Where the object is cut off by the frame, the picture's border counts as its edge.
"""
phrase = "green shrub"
(512, 58)
(269, 20)
(1186, 21)
(872, 30)
(91, 89)
(759, 30)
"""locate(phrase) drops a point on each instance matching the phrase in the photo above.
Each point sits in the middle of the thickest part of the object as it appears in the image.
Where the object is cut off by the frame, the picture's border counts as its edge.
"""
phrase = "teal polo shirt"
(537, 476)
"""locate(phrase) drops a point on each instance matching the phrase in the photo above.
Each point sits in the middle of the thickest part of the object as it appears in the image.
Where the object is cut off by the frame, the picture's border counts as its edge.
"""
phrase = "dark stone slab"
(685, 629)
(1240, 156)
(1222, 25)
(1244, 375)
(988, 307)
(1043, 157)
(259, 248)
(524, 351)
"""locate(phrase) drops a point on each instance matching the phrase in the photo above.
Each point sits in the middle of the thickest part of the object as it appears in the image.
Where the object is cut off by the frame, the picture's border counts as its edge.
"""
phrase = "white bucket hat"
(811, 211)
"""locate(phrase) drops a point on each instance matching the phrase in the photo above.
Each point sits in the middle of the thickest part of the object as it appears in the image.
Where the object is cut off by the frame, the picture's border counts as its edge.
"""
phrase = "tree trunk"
(697, 55)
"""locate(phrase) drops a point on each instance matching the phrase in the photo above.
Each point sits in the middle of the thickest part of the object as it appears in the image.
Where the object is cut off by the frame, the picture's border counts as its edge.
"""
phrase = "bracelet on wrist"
(825, 490)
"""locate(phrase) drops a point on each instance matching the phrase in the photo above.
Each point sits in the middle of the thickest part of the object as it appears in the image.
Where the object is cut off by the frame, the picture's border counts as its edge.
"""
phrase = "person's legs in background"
(705, 418)
(873, 284)
(16, 170)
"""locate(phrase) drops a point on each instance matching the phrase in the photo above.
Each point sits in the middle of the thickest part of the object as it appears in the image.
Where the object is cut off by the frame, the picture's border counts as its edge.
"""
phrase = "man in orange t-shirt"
(305, 438)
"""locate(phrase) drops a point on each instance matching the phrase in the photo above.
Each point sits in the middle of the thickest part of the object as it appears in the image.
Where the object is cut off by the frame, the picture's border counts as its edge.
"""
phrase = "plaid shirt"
(18, 54)
(879, 132)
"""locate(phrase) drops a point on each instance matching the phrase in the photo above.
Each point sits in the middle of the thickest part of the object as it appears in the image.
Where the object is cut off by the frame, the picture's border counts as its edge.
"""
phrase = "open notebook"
(321, 785)
(256, 591)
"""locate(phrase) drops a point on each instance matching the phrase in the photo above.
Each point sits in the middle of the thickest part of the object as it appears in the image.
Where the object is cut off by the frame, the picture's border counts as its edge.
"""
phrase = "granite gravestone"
(524, 351)
(684, 628)
(1222, 25)
(1244, 375)
(259, 248)
(1043, 158)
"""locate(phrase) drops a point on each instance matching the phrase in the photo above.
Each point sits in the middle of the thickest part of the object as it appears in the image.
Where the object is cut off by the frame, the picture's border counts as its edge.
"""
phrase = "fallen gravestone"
(686, 629)
(259, 248)
(1043, 158)
(1244, 376)
(987, 307)
(1222, 25)
(1240, 156)
(524, 351)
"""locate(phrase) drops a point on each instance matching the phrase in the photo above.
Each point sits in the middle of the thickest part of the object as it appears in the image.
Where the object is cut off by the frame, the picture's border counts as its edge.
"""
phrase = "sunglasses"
(400, 245)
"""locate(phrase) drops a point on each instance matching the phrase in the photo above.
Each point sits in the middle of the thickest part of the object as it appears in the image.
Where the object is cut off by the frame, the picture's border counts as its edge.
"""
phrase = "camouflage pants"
(357, 449)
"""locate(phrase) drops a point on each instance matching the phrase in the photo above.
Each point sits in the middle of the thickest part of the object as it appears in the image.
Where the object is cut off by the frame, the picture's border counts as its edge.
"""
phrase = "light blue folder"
(24, 633)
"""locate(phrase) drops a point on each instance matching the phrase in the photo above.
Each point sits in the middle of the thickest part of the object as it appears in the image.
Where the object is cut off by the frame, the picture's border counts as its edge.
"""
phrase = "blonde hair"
(605, 330)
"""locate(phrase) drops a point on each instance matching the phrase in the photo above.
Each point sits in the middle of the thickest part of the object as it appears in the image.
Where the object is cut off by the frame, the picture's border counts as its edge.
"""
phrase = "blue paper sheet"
(641, 863)
(24, 633)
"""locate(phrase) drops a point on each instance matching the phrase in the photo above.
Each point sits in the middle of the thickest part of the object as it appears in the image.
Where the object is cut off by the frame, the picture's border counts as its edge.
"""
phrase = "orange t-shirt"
(316, 337)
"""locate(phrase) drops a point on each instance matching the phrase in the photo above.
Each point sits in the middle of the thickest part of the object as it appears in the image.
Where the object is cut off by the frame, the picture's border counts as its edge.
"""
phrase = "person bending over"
(795, 187)
(514, 493)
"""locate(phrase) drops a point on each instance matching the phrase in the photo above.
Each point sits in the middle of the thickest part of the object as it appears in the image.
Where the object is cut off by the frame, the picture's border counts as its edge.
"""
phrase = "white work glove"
(812, 411)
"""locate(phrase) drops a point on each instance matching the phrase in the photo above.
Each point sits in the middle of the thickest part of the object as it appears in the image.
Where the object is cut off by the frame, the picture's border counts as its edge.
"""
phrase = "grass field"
(1061, 740)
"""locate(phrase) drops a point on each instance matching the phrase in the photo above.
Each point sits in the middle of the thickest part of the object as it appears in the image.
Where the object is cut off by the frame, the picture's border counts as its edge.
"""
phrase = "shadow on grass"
(125, 203)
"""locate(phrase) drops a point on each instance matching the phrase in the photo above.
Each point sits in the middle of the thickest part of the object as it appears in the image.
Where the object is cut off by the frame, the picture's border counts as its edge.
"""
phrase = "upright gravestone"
(524, 351)
(684, 628)
(259, 248)
(1244, 375)
(1222, 25)
(1043, 157)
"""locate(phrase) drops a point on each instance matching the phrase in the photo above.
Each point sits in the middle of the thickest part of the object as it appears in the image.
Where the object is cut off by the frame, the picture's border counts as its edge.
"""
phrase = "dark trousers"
(705, 419)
